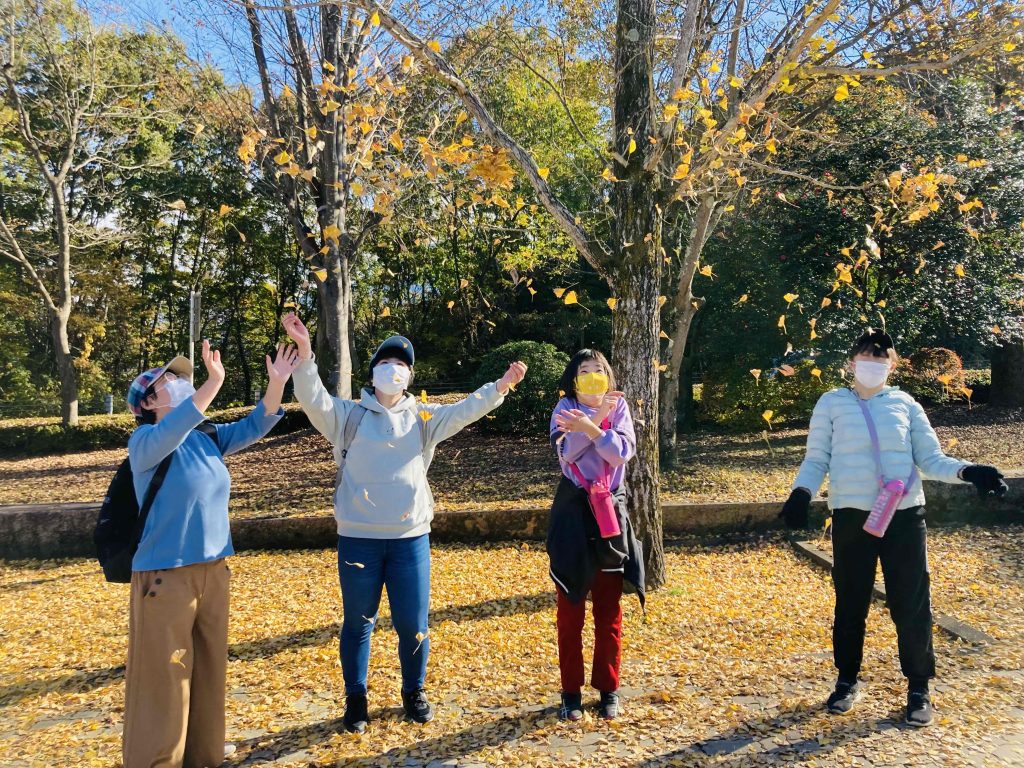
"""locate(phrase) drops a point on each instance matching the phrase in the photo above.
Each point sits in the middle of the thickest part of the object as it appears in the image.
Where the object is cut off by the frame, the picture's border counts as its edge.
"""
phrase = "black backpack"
(121, 521)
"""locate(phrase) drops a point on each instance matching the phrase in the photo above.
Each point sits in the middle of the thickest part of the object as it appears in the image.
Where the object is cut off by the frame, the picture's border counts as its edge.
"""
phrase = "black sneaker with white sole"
(571, 708)
(919, 709)
(416, 706)
(356, 717)
(608, 708)
(843, 697)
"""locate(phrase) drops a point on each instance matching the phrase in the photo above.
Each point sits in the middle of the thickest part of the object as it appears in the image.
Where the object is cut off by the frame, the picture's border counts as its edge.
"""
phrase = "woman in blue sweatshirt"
(841, 444)
(383, 444)
(178, 619)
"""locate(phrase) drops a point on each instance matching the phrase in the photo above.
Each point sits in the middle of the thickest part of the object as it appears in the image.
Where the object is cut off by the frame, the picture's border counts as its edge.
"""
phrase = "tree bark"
(637, 269)
(1008, 375)
(65, 367)
(684, 307)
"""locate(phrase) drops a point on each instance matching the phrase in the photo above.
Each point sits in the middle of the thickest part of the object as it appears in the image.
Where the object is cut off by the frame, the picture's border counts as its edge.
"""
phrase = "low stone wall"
(65, 530)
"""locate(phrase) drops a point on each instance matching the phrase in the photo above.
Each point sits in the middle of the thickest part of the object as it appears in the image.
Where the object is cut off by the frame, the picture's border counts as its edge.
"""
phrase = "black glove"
(794, 511)
(985, 478)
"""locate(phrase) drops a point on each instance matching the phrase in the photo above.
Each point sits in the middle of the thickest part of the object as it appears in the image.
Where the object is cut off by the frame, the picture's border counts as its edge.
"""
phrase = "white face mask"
(179, 390)
(391, 378)
(869, 374)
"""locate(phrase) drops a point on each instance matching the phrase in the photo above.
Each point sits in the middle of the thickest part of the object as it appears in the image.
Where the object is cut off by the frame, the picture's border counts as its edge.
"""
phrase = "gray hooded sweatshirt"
(383, 491)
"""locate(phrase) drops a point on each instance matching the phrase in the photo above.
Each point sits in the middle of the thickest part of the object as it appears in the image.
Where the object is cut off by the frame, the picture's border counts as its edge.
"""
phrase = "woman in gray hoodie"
(383, 444)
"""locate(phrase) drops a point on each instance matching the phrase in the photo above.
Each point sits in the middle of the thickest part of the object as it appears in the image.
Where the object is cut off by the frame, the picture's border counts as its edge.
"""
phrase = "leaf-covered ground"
(293, 474)
(729, 669)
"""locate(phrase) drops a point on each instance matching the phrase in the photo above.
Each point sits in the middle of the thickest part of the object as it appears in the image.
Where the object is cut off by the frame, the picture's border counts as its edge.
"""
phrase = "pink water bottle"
(884, 508)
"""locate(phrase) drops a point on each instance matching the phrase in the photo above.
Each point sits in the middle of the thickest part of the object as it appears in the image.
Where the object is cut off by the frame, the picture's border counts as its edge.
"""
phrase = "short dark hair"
(148, 415)
(876, 343)
(568, 381)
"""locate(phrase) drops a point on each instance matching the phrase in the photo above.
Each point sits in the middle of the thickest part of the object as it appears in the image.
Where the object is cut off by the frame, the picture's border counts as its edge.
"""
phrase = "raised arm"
(447, 420)
(318, 404)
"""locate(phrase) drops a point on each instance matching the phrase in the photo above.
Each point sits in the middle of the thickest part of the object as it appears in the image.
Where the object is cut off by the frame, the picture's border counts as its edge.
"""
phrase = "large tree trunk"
(637, 273)
(1008, 375)
(334, 350)
(65, 368)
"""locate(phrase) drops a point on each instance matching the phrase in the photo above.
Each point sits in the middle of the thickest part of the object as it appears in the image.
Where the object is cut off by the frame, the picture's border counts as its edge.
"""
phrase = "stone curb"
(951, 626)
(65, 530)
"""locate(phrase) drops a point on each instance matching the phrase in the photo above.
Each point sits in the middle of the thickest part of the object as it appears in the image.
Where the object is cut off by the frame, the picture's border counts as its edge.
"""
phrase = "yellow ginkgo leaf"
(742, 299)
(570, 298)
(945, 378)
(612, 302)
(434, 46)
(756, 373)
(659, 365)
(463, 283)
(311, 132)
(825, 302)
(359, 565)
(782, 324)
(791, 297)
(332, 232)
(953, 442)
(224, 210)
(532, 290)
(706, 271)
(631, 147)
(423, 395)
(816, 372)
(661, 301)
(662, 335)
(543, 173)
(959, 271)
(321, 274)
(772, 146)
(386, 312)
(451, 304)
(767, 416)
(426, 416)
(282, 157)
(375, 19)
(996, 330)
(842, 93)
(177, 656)
(559, 292)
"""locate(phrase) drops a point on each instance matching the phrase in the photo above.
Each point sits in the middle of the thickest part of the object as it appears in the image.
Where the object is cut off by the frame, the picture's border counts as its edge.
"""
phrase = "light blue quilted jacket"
(839, 445)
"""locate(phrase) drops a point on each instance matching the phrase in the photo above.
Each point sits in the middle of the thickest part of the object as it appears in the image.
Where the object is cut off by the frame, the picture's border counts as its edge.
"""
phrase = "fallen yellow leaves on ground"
(735, 650)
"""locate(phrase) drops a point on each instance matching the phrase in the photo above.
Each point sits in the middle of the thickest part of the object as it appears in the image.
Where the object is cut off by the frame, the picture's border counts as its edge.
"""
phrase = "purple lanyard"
(876, 445)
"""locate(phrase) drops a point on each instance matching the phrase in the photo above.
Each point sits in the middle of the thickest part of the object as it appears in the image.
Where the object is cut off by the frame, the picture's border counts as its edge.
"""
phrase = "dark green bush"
(44, 436)
(736, 399)
(528, 409)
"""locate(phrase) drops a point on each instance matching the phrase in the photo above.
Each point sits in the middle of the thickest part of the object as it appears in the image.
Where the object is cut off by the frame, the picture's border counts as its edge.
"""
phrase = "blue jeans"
(403, 566)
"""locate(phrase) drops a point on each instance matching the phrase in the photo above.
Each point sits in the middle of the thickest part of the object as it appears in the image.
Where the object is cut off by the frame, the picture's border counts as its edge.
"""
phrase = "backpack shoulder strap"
(209, 429)
(151, 491)
(348, 435)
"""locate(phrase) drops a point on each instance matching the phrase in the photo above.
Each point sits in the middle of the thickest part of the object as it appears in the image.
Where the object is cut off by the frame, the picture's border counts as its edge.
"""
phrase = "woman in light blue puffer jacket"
(840, 445)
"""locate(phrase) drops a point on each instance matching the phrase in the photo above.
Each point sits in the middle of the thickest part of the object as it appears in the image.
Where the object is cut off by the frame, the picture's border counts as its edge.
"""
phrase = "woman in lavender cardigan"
(592, 432)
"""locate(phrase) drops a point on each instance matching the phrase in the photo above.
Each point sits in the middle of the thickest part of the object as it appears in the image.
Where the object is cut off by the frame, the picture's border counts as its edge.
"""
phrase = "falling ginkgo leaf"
(366, 495)
(791, 297)
(434, 46)
(659, 365)
(825, 302)
(426, 416)
(570, 298)
(451, 304)
(767, 416)
(332, 232)
(816, 373)
(224, 210)
(543, 173)
(996, 330)
(742, 299)
(756, 373)
(953, 442)
(386, 312)
(612, 302)
(782, 324)
(356, 565)
(842, 93)
(177, 656)
(559, 292)
(787, 370)
(321, 274)
(282, 157)
(706, 271)
(959, 271)
(661, 301)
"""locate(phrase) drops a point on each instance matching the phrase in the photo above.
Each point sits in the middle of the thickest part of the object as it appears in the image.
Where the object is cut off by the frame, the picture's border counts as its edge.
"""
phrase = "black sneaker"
(608, 708)
(919, 709)
(416, 706)
(843, 697)
(571, 708)
(355, 718)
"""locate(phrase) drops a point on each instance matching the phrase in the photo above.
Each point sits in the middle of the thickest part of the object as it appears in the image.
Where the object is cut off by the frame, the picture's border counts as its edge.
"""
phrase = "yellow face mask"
(591, 384)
